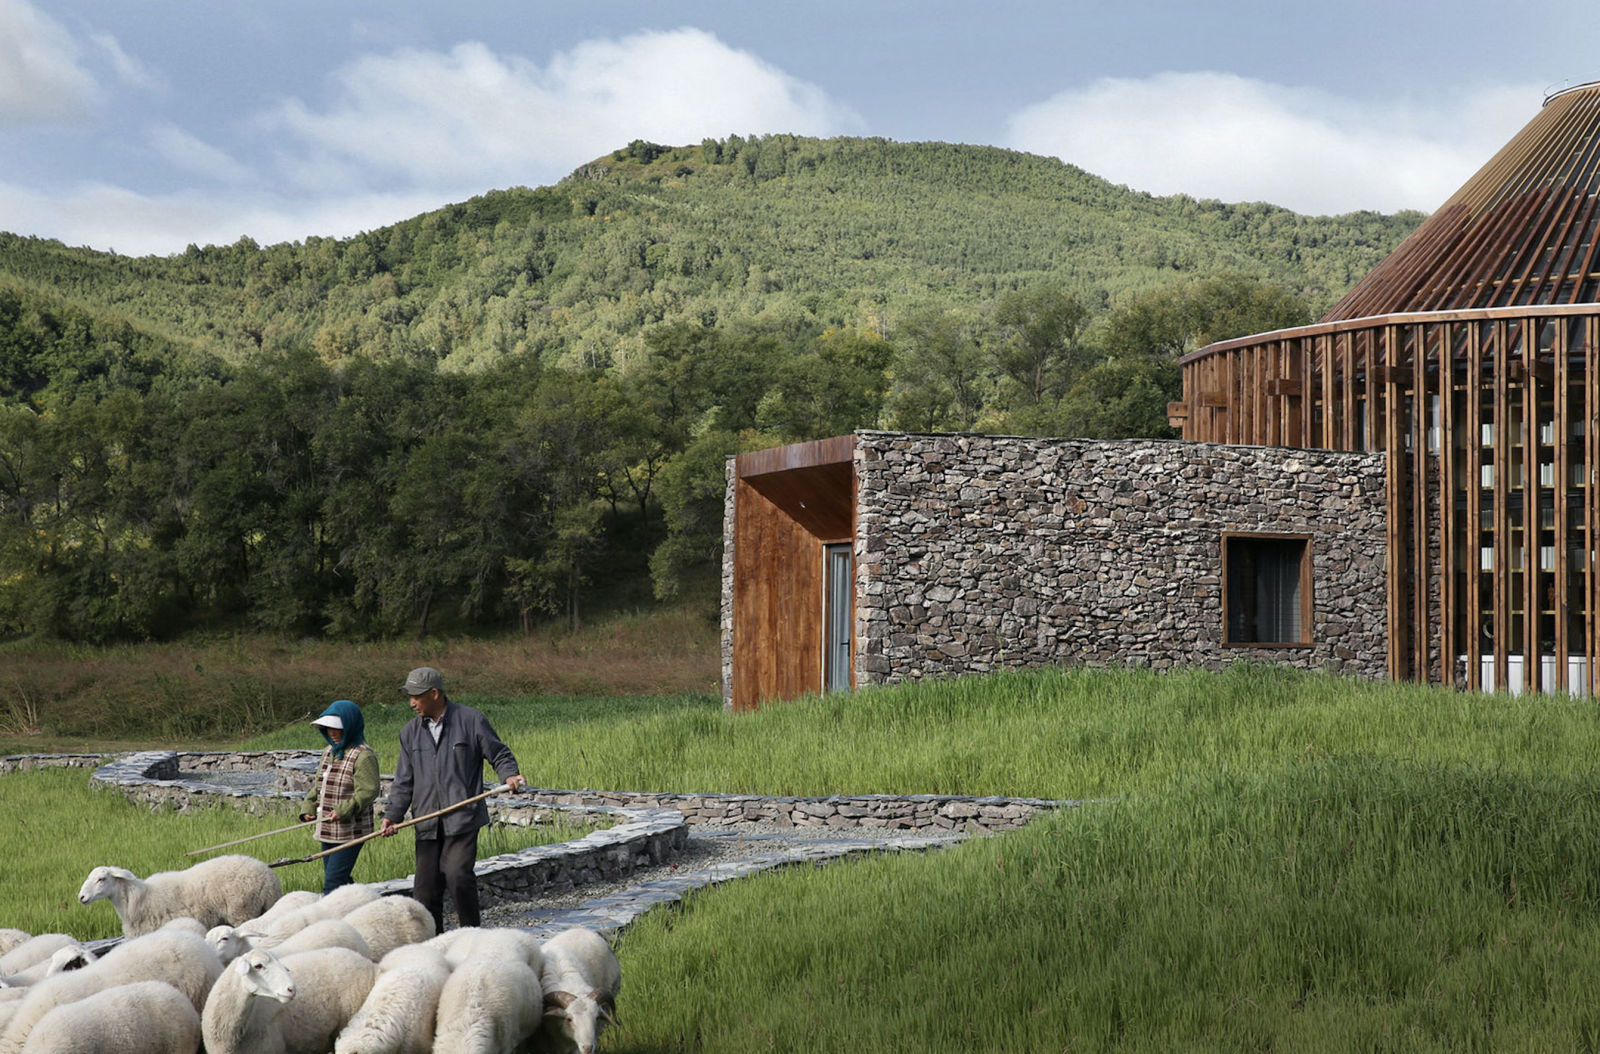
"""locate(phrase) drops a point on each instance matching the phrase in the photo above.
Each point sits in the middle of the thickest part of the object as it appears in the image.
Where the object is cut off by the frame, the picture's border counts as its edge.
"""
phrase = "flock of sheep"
(218, 955)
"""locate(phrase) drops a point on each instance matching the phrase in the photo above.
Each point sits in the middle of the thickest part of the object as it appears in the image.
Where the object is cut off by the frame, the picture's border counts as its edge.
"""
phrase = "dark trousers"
(446, 863)
(336, 867)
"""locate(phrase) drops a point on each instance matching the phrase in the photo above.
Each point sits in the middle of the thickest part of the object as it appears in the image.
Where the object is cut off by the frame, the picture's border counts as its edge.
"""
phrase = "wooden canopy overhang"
(789, 503)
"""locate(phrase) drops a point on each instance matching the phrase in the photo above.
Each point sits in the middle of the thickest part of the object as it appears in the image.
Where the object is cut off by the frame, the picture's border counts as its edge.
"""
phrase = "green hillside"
(518, 407)
(796, 233)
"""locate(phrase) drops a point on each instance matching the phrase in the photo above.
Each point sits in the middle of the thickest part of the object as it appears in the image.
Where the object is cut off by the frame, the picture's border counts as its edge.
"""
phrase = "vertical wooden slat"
(1423, 630)
(1472, 393)
(1450, 485)
(1558, 345)
(1499, 524)
(1532, 595)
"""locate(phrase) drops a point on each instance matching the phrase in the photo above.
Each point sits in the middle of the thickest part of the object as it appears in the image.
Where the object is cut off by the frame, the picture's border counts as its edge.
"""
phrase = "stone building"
(882, 557)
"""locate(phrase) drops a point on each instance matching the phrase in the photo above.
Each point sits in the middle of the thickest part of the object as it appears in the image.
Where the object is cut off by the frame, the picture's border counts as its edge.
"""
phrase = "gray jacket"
(429, 777)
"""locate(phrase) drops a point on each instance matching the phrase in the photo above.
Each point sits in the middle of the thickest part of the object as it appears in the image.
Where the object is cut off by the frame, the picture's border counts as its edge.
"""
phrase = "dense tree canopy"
(520, 406)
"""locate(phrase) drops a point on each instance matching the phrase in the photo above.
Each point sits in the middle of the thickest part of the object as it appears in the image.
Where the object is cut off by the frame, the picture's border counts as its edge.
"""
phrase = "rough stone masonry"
(978, 553)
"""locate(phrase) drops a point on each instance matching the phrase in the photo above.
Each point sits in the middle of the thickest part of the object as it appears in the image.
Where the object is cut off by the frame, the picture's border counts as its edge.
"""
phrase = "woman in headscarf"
(342, 793)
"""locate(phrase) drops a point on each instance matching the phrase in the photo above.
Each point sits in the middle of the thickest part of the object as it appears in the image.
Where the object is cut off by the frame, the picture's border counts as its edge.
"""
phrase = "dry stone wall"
(976, 553)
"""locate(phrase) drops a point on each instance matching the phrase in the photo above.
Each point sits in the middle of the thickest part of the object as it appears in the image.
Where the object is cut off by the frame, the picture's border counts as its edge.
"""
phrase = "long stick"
(238, 841)
(378, 834)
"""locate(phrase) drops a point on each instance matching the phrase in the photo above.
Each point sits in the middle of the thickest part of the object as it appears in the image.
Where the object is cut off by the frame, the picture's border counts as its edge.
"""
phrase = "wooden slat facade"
(1491, 420)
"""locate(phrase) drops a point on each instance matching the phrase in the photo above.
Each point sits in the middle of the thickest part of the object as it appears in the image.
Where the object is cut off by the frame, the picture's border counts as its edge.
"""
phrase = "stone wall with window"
(976, 553)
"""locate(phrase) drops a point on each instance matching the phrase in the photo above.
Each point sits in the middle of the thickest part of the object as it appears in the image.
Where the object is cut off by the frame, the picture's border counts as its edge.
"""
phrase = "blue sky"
(145, 125)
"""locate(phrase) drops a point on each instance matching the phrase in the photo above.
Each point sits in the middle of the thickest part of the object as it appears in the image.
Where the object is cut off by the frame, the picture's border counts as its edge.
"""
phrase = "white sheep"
(11, 938)
(335, 905)
(231, 942)
(488, 1006)
(224, 889)
(581, 979)
(472, 942)
(146, 1017)
(187, 923)
(33, 951)
(177, 957)
(73, 956)
(296, 1005)
(390, 922)
(399, 1013)
(290, 901)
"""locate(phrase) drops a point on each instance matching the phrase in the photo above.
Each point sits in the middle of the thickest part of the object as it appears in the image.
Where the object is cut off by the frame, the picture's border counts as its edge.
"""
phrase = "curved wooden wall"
(1491, 420)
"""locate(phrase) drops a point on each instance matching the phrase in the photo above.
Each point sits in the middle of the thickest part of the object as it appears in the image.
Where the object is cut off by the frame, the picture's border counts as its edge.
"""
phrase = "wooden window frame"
(1307, 606)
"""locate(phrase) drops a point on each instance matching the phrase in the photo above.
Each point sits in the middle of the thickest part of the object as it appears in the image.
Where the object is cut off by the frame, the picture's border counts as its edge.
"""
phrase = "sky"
(143, 126)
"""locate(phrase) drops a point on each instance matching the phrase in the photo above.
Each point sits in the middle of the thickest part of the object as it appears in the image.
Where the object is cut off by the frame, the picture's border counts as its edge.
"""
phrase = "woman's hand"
(307, 817)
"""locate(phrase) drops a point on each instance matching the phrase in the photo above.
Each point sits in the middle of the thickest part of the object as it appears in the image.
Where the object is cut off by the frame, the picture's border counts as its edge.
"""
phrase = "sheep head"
(261, 974)
(579, 1018)
(104, 882)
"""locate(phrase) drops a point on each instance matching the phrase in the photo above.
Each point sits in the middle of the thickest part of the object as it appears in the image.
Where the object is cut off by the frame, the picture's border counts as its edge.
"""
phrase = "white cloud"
(472, 118)
(129, 69)
(192, 154)
(1217, 135)
(41, 78)
(113, 218)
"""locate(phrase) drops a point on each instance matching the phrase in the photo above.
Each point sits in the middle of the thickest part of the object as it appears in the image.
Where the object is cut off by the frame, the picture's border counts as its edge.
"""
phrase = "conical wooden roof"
(1521, 231)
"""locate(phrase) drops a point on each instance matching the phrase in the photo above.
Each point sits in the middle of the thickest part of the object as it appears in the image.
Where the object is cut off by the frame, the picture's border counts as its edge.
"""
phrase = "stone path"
(713, 857)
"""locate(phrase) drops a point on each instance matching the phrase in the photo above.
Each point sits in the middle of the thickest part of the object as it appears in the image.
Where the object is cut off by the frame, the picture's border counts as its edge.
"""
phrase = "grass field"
(1272, 861)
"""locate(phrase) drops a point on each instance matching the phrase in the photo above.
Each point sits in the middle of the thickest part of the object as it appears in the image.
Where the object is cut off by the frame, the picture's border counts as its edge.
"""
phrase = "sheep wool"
(390, 922)
(33, 951)
(11, 938)
(488, 1006)
(72, 956)
(230, 943)
(291, 901)
(181, 959)
(226, 889)
(398, 1016)
(471, 942)
(335, 905)
(146, 1017)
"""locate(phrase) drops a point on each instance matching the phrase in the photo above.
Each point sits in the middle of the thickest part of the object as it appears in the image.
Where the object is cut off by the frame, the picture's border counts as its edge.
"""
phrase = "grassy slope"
(1283, 861)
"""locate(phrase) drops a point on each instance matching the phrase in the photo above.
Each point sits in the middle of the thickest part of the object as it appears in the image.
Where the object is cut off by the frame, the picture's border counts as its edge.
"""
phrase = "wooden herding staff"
(239, 841)
(377, 834)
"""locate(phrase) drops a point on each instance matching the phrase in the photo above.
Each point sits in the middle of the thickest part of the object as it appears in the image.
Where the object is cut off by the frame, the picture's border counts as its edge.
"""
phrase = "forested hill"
(793, 234)
(520, 406)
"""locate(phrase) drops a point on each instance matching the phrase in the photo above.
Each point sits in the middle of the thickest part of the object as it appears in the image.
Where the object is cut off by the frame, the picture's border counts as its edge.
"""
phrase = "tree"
(937, 373)
(1036, 341)
(835, 388)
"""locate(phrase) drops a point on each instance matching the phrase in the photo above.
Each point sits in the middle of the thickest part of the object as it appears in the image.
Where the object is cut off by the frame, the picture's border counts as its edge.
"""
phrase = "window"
(1266, 582)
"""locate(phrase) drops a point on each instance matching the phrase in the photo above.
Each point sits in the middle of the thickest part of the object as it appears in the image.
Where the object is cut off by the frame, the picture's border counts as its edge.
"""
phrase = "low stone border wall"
(29, 762)
(903, 812)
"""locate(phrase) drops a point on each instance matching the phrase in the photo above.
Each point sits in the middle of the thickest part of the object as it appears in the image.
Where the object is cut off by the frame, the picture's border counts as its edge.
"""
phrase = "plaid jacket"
(334, 788)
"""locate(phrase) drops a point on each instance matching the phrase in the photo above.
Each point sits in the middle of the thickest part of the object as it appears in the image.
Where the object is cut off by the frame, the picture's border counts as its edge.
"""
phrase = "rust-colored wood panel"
(777, 603)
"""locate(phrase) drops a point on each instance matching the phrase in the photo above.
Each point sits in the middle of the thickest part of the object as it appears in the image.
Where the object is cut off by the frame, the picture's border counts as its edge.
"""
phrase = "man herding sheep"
(442, 751)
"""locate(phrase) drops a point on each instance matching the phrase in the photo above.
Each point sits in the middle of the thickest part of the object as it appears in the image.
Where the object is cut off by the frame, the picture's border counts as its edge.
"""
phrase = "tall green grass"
(1325, 904)
(1049, 733)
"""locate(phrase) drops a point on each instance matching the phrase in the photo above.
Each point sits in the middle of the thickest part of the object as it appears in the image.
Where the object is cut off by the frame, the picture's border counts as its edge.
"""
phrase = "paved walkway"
(755, 852)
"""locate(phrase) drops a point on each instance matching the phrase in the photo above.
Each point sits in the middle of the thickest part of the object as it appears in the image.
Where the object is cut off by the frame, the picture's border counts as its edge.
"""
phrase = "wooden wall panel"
(777, 604)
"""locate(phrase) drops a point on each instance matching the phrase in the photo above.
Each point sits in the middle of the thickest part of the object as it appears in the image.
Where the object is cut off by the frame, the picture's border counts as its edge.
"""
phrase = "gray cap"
(422, 680)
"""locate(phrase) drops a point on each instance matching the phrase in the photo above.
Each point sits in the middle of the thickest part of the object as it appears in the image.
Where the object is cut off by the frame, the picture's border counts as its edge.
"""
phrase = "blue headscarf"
(355, 726)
